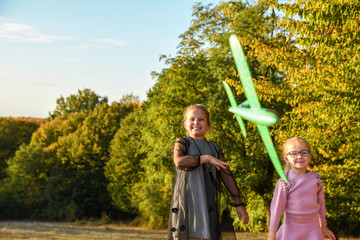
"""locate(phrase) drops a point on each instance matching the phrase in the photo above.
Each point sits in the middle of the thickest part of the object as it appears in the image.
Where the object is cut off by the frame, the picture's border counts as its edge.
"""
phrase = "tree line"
(92, 157)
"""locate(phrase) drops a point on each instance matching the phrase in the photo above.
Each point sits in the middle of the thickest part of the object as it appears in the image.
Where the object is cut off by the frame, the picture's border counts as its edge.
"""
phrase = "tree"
(21, 191)
(60, 174)
(13, 133)
(84, 101)
(83, 156)
(320, 65)
(123, 170)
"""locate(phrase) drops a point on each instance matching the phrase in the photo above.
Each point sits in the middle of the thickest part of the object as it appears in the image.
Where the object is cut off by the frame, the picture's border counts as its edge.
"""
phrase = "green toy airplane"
(251, 109)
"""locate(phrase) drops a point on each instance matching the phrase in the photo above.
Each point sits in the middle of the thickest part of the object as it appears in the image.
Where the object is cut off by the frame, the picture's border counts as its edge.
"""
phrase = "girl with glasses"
(302, 199)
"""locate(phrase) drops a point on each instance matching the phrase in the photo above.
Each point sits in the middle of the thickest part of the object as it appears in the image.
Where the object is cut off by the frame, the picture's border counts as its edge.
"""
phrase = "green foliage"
(60, 174)
(83, 155)
(91, 158)
(13, 133)
(24, 184)
(342, 196)
(257, 218)
(123, 170)
(84, 101)
(321, 86)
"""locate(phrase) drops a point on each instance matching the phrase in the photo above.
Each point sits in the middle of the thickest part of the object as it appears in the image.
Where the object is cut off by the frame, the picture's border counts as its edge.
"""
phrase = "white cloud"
(110, 41)
(79, 47)
(45, 84)
(65, 60)
(26, 33)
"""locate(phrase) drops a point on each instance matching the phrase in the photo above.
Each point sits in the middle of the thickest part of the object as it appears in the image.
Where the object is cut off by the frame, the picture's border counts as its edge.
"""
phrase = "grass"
(88, 231)
(73, 231)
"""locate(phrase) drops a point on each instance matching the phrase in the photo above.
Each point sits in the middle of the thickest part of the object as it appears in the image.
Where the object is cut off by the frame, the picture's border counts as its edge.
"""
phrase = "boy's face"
(196, 123)
(298, 156)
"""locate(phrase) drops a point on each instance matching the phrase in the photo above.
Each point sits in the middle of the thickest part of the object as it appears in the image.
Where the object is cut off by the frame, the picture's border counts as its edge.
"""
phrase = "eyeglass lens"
(303, 153)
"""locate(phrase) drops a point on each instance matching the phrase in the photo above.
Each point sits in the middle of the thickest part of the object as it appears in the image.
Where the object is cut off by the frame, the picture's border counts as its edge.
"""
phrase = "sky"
(53, 48)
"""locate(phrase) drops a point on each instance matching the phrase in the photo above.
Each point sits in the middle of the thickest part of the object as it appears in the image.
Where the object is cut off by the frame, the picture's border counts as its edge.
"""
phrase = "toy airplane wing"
(251, 109)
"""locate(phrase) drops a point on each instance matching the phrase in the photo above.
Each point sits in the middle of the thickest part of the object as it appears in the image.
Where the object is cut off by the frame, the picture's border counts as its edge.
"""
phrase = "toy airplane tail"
(234, 104)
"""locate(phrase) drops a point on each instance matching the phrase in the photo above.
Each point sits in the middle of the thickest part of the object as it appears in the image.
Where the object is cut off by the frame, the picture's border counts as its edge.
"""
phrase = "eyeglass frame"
(299, 152)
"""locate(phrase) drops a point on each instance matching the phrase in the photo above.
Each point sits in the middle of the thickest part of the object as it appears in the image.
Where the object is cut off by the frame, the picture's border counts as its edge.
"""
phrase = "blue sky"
(50, 48)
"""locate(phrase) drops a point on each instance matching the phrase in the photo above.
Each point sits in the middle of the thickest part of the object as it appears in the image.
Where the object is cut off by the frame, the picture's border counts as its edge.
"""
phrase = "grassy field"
(75, 231)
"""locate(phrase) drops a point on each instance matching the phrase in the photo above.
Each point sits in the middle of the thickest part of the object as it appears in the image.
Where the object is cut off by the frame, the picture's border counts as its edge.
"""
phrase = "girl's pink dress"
(304, 204)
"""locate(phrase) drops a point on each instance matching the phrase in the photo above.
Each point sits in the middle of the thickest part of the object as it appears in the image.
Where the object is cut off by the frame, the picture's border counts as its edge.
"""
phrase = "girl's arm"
(230, 182)
(327, 232)
(321, 201)
(277, 205)
(272, 235)
(181, 160)
(322, 212)
(231, 186)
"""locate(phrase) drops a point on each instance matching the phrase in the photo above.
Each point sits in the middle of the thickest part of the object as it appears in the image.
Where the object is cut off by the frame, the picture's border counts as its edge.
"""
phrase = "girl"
(302, 199)
(199, 167)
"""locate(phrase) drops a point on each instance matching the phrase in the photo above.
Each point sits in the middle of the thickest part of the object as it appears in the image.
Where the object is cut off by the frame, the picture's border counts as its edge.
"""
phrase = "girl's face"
(196, 123)
(298, 156)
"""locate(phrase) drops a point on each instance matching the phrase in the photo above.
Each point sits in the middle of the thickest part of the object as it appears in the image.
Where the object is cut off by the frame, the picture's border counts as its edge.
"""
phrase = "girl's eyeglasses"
(303, 153)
